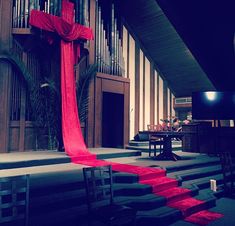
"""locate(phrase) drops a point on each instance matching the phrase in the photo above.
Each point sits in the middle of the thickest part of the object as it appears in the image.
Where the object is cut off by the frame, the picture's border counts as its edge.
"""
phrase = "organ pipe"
(22, 8)
(108, 49)
(108, 31)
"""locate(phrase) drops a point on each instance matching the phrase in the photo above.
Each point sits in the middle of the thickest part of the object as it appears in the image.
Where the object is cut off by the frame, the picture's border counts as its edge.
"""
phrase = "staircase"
(59, 198)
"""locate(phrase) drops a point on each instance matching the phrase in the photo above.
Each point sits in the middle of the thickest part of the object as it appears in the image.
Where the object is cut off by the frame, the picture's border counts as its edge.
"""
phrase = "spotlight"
(211, 96)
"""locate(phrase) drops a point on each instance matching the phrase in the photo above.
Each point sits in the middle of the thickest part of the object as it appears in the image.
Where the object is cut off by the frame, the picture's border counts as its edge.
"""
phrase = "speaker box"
(141, 137)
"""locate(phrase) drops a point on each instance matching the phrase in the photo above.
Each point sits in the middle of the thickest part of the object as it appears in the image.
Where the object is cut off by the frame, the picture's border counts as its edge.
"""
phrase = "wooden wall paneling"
(165, 100)
(170, 103)
(137, 88)
(98, 113)
(91, 116)
(126, 113)
(5, 73)
(14, 136)
(112, 86)
(143, 92)
(102, 85)
(30, 136)
(22, 111)
(90, 132)
(152, 93)
(92, 25)
(157, 96)
(128, 53)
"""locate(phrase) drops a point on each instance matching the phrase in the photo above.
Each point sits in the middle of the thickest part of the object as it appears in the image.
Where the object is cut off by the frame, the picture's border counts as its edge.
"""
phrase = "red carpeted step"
(175, 194)
(203, 217)
(161, 183)
(167, 187)
(189, 206)
(144, 173)
(85, 157)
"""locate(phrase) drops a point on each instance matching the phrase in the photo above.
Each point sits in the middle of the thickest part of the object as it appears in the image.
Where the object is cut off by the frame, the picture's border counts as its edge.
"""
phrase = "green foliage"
(44, 99)
(82, 86)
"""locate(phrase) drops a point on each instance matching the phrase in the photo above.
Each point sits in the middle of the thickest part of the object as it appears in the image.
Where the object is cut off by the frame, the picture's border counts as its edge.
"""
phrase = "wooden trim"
(97, 113)
(158, 110)
(112, 77)
(170, 104)
(126, 132)
(152, 92)
(92, 26)
(165, 100)
(128, 54)
(22, 111)
(143, 91)
(21, 31)
(137, 88)
(111, 84)
(5, 78)
(91, 116)
(145, 52)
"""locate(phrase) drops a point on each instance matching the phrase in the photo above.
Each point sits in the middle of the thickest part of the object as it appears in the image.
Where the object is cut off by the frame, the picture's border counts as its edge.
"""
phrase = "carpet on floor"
(177, 197)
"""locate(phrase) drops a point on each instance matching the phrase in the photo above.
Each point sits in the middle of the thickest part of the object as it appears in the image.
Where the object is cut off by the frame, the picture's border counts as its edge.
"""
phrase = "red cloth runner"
(65, 27)
(67, 31)
(72, 135)
(203, 217)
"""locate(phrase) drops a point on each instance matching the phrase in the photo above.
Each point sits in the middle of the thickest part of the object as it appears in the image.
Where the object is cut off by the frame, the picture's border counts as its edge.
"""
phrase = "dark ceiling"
(195, 45)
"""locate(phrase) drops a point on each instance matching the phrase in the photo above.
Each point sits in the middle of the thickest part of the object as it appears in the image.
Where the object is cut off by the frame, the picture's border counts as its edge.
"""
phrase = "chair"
(100, 201)
(228, 171)
(14, 200)
(154, 140)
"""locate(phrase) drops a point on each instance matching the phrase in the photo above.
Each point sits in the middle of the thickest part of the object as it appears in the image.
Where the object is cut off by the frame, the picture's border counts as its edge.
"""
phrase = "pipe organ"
(22, 8)
(108, 35)
(108, 30)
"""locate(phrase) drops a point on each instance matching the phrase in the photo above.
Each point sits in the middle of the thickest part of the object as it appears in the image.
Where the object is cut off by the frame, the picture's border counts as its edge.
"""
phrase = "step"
(161, 183)
(143, 202)
(194, 204)
(195, 173)
(125, 177)
(161, 216)
(167, 215)
(119, 154)
(44, 158)
(134, 189)
(192, 164)
(138, 143)
(69, 216)
(175, 194)
(203, 183)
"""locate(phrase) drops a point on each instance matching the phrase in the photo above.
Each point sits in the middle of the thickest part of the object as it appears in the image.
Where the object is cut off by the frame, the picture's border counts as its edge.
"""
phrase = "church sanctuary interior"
(117, 113)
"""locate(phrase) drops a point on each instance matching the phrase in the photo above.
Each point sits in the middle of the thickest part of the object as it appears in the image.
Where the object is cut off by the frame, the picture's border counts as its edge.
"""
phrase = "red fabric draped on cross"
(69, 31)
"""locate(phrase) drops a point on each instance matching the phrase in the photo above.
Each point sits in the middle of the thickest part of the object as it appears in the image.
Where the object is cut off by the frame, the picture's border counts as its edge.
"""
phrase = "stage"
(57, 191)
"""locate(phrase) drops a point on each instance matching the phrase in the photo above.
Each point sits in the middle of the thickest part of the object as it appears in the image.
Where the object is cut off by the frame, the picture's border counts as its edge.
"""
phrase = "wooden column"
(126, 132)
(157, 77)
(143, 92)
(90, 134)
(137, 88)
(22, 112)
(152, 93)
(92, 25)
(5, 73)
(165, 100)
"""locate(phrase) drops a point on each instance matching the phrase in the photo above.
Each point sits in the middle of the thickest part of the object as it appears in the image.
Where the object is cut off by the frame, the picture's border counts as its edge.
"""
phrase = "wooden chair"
(228, 172)
(14, 200)
(154, 140)
(100, 201)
